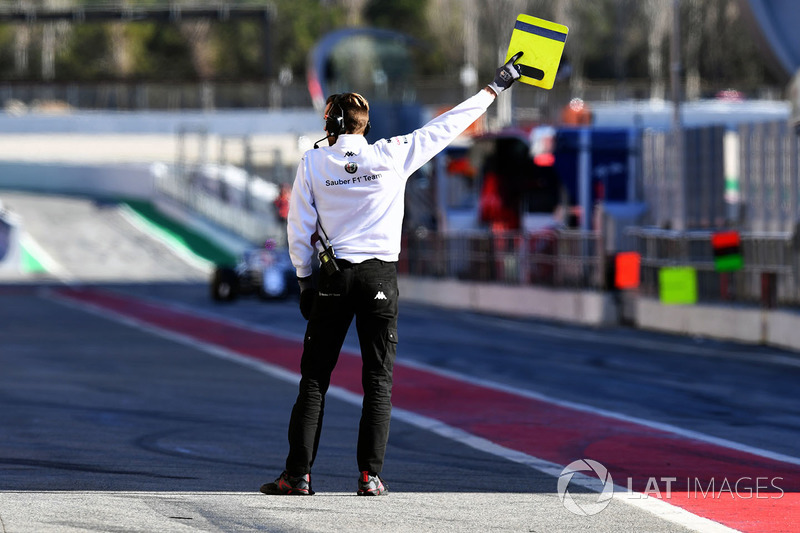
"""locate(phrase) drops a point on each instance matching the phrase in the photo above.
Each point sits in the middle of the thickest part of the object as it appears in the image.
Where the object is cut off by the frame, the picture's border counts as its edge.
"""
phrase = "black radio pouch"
(327, 261)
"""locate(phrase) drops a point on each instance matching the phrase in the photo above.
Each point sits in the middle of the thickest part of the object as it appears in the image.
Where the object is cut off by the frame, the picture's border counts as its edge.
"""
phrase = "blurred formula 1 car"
(267, 272)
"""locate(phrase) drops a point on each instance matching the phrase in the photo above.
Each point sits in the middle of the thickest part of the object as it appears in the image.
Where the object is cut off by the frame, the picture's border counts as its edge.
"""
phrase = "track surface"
(84, 240)
(144, 407)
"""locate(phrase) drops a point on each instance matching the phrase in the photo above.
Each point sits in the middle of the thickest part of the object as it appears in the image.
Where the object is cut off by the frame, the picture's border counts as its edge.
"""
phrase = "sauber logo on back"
(351, 168)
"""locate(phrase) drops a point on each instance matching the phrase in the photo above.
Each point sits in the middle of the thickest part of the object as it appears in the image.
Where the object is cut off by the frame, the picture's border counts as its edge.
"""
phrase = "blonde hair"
(354, 110)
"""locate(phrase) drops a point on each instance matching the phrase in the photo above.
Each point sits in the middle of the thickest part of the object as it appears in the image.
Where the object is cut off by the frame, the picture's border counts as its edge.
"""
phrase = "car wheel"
(224, 285)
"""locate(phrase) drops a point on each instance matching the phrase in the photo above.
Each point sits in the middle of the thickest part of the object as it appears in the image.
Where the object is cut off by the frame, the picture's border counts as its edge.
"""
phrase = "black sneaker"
(289, 485)
(371, 485)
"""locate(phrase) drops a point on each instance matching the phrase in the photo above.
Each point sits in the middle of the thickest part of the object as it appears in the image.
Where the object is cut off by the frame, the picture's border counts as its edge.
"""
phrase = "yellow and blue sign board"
(542, 43)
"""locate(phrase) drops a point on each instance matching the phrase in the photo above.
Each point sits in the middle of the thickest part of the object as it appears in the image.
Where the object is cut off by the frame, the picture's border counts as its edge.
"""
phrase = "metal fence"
(748, 177)
(576, 259)
(770, 275)
(687, 192)
(529, 106)
(559, 258)
(769, 170)
(139, 96)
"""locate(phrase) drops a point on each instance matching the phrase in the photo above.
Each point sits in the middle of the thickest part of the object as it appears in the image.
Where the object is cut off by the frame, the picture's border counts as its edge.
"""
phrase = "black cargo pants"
(368, 292)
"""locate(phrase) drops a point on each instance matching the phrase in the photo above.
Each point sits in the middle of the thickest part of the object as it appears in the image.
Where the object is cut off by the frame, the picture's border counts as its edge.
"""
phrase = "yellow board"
(542, 43)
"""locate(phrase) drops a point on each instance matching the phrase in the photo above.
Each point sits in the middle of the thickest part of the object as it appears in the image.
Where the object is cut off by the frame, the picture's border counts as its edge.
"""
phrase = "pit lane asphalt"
(744, 393)
(109, 428)
(105, 427)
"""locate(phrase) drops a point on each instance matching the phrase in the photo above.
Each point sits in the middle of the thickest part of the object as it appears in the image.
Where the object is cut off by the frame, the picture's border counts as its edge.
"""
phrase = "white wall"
(778, 327)
(583, 307)
(223, 122)
(134, 181)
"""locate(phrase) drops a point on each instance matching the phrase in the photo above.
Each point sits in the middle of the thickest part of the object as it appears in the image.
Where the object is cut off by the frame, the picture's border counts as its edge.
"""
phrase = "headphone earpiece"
(335, 125)
(367, 127)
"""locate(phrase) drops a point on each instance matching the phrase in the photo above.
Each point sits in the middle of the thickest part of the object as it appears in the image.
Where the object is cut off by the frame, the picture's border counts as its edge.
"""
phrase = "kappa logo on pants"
(380, 296)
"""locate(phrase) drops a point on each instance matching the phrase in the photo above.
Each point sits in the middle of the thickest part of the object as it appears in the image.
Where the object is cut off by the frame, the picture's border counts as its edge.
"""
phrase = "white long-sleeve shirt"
(359, 188)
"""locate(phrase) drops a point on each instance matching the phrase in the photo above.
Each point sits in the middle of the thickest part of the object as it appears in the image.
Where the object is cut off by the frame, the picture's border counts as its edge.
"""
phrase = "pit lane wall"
(131, 180)
(775, 327)
(591, 308)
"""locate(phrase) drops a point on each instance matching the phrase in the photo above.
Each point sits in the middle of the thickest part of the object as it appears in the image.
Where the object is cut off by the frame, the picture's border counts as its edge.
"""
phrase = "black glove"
(308, 294)
(506, 75)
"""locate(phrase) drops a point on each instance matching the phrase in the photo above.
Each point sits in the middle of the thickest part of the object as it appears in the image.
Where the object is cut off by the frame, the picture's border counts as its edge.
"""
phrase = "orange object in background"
(627, 269)
(282, 201)
(460, 166)
(576, 113)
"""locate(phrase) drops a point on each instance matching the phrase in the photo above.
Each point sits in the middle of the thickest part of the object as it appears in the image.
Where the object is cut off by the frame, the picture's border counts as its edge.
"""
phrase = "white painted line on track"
(654, 506)
(41, 255)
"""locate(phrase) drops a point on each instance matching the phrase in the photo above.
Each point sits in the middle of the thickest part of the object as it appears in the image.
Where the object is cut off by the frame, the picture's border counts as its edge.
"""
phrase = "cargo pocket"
(391, 336)
(390, 351)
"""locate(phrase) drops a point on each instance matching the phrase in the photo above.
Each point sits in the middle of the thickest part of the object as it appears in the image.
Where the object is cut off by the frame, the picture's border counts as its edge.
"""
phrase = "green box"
(677, 285)
(728, 263)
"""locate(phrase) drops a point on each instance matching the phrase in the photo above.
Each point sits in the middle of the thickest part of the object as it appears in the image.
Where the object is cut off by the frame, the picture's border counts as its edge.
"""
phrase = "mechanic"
(347, 207)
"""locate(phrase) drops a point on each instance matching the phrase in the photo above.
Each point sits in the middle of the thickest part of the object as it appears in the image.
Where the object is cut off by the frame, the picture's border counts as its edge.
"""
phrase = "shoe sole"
(265, 489)
(382, 492)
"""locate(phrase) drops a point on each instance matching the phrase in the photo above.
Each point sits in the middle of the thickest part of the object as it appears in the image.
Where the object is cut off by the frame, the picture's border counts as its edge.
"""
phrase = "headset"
(334, 125)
